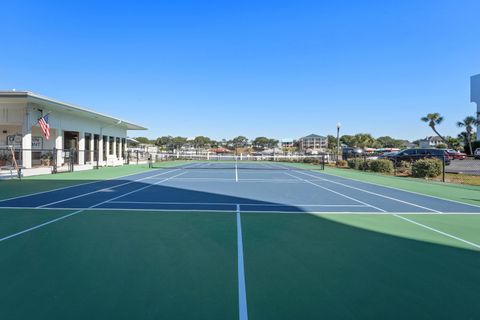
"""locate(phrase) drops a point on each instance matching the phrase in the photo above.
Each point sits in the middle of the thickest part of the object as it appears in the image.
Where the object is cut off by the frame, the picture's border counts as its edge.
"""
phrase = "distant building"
(287, 143)
(312, 143)
(430, 142)
(475, 96)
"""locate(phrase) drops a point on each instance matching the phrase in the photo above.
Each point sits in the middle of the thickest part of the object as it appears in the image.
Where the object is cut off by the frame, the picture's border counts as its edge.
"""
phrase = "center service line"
(242, 292)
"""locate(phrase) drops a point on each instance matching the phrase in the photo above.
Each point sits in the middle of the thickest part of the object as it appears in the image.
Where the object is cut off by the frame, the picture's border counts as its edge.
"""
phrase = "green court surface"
(183, 265)
(29, 185)
(357, 267)
(121, 265)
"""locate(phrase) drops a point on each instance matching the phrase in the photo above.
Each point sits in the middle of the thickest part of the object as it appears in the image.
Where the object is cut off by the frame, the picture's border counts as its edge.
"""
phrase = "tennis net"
(246, 162)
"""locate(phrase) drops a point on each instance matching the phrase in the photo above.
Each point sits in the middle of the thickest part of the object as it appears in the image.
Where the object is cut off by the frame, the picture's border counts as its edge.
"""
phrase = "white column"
(107, 145)
(115, 146)
(81, 148)
(100, 150)
(59, 146)
(120, 146)
(92, 145)
(27, 150)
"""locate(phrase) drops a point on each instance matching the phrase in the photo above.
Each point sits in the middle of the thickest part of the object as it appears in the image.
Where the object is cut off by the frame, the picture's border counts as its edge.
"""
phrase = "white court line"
(338, 193)
(68, 215)
(105, 189)
(399, 189)
(134, 191)
(422, 225)
(40, 225)
(73, 186)
(236, 172)
(242, 292)
(371, 192)
(241, 204)
(246, 210)
(438, 231)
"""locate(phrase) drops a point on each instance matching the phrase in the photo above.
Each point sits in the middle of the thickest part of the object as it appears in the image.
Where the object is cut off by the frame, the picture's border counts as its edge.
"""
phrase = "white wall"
(475, 96)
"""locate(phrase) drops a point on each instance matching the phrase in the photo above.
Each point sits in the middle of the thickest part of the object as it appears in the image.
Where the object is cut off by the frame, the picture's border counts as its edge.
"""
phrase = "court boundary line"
(373, 193)
(40, 225)
(439, 231)
(137, 190)
(73, 186)
(248, 211)
(336, 192)
(242, 292)
(241, 204)
(104, 189)
(428, 227)
(64, 216)
(399, 189)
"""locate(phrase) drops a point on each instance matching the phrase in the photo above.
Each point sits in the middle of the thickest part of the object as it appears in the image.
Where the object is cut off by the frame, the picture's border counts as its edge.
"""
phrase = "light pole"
(338, 141)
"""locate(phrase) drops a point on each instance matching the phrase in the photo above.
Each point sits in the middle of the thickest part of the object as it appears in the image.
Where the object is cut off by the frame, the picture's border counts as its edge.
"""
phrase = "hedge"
(381, 165)
(427, 168)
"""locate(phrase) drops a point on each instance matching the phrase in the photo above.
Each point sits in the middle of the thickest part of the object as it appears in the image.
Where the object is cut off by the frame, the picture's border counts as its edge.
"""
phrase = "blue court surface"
(257, 187)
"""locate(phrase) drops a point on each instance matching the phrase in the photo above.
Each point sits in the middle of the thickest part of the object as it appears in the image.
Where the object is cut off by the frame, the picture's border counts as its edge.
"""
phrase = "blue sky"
(272, 68)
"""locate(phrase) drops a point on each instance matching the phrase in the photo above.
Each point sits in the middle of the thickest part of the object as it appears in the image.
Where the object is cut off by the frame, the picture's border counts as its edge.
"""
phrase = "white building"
(475, 96)
(86, 132)
(313, 143)
(430, 142)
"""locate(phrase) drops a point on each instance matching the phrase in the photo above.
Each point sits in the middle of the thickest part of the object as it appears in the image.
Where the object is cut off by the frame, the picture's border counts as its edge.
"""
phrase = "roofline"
(28, 94)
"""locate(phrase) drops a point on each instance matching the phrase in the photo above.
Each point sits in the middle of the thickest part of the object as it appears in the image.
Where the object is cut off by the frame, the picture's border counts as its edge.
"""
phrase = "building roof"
(59, 105)
(314, 136)
(433, 139)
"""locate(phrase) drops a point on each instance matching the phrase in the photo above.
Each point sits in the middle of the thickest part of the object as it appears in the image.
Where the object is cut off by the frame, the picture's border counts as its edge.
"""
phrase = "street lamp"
(338, 140)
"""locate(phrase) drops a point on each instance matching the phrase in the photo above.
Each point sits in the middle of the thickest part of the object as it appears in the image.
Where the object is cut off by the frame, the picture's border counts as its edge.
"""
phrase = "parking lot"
(467, 166)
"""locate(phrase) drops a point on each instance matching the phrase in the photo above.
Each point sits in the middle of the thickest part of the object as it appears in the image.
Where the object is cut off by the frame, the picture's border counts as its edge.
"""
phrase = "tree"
(202, 142)
(143, 140)
(455, 143)
(260, 143)
(364, 140)
(331, 142)
(240, 142)
(272, 143)
(434, 119)
(178, 142)
(164, 142)
(389, 142)
(441, 146)
(348, 140)
(468, 123)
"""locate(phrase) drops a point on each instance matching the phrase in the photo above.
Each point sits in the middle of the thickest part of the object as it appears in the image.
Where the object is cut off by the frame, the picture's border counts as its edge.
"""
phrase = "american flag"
(43, 122)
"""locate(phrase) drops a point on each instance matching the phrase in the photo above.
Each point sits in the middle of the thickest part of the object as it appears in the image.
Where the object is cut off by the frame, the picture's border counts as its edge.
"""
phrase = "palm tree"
(468, 123)
(433, 119)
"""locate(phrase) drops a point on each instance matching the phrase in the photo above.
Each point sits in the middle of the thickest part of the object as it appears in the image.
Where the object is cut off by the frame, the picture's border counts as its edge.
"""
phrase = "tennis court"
(237, 240)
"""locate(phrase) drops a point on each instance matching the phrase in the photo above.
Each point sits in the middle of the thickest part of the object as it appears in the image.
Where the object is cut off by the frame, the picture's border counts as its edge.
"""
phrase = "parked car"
(411, 155)
(476, 153)
(351, 152)
(387, 155)
(456, 155)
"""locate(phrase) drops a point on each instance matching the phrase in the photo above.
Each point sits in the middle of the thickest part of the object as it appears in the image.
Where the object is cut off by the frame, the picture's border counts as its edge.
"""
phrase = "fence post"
(72, 159)
(137, 155)
(55, 160)
(443, 169)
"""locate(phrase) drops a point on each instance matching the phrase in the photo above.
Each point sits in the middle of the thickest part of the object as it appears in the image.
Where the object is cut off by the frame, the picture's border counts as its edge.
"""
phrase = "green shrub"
(342, 163)
(355, 163)
(381, 166)
(427, 168)
(311, 160)
(404, 167)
